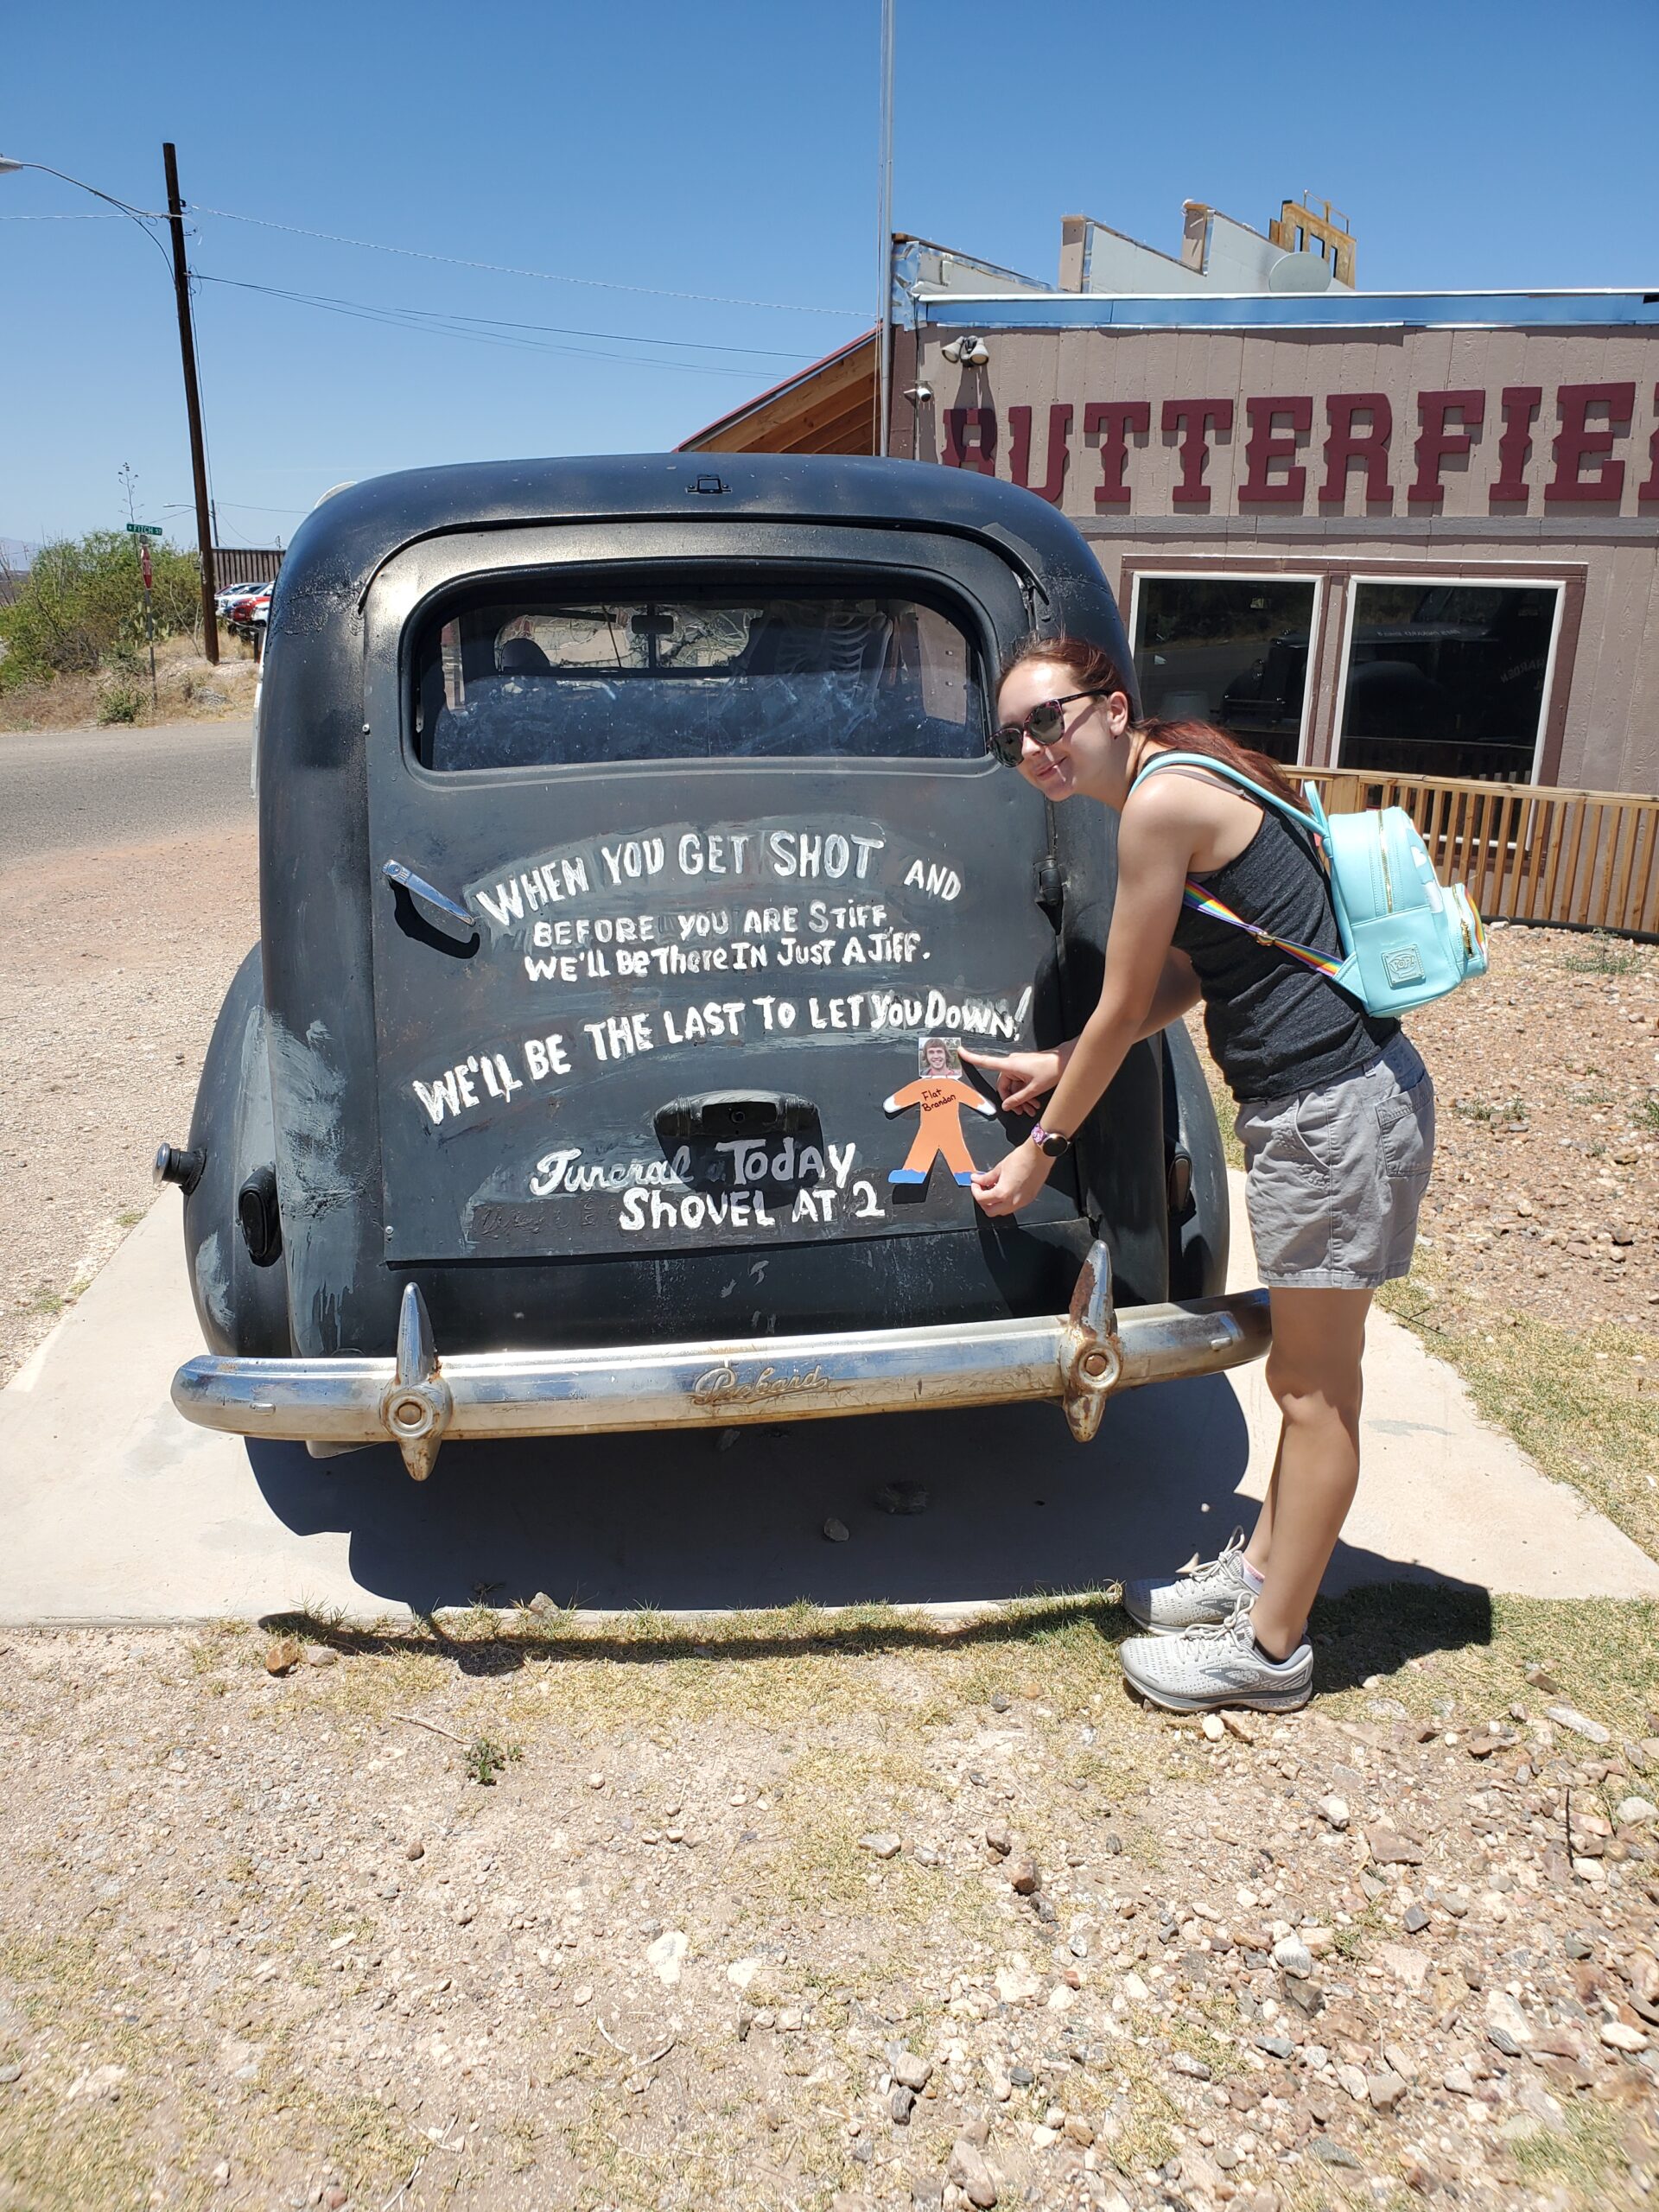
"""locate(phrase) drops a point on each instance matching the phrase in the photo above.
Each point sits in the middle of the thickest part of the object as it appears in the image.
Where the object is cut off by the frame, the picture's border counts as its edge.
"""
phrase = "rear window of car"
(762, 670)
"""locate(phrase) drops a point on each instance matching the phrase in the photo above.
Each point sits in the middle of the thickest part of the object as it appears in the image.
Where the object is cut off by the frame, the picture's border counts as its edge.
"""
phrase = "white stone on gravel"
(1016, 1984)
(886, 1846)
(1635, 1812)
(1506, 2024)
(1333, 1811)
(667, 1955)
(1409, 1966)
(1569, 1716)
(970, 2172)
(1384, 2090)
(1293, 1956)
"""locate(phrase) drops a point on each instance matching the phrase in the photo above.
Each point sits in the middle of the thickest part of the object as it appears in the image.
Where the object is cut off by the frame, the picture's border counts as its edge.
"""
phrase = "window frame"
(1221, 574)
(946, 595)
(1521, 581)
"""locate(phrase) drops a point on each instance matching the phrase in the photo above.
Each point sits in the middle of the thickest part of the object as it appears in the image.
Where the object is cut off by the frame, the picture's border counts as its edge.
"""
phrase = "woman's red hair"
(1095, 668)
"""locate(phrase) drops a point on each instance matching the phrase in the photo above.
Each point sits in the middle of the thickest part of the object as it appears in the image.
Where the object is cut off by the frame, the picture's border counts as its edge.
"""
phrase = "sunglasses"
(1046, 724)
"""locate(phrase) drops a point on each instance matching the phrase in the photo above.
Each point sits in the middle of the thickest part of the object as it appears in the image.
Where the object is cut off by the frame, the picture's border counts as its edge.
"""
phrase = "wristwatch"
(1051, 1141)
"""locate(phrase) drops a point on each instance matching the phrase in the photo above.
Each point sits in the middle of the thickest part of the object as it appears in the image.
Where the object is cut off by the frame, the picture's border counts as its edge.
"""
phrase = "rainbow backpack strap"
(1205, 902)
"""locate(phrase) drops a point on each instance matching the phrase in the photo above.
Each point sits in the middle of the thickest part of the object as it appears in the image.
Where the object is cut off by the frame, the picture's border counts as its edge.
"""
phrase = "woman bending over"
(1336, 1115)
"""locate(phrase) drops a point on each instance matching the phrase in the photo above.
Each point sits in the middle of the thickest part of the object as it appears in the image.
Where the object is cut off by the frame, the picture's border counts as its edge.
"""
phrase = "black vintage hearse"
(633, 866)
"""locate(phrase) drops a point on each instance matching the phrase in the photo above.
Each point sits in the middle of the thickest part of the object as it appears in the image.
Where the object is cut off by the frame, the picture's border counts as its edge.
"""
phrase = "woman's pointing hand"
(1023, 1079)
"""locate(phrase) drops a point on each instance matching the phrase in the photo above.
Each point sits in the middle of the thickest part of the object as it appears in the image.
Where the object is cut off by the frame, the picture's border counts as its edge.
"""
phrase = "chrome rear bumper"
(415, 1400)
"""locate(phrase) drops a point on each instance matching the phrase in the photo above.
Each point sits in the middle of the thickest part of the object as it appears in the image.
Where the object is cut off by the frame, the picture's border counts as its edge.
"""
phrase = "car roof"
(353, 532)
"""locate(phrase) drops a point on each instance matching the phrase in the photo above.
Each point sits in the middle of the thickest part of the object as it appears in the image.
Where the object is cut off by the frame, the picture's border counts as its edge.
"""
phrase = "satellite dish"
(1300, 272)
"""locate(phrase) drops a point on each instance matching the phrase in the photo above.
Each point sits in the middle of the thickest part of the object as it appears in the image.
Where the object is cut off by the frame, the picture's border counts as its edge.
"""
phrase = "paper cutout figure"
(941, 1094)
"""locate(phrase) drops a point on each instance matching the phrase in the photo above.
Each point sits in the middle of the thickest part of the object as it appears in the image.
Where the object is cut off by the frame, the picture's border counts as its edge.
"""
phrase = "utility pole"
(193, 403)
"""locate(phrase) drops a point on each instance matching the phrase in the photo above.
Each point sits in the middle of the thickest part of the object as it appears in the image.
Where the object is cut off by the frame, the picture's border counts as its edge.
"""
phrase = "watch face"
(1053, 1145)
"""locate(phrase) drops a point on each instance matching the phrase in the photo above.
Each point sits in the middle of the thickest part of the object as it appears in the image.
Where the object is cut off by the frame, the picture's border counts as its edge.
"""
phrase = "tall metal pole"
(193, 403)
(884, 278)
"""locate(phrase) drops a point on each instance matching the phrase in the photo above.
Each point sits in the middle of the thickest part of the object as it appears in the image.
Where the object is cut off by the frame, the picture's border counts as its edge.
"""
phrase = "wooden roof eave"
(836, 399)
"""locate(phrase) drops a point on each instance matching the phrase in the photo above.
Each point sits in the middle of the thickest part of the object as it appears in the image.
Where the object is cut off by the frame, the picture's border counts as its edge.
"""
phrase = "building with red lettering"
(1413, 534)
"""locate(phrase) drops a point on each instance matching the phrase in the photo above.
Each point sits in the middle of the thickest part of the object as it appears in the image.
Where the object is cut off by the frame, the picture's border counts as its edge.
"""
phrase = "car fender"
(242, 1306)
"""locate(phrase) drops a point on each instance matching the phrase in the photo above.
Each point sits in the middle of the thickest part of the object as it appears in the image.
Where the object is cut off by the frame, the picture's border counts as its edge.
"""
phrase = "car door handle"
(428, 894)
(721, 1116)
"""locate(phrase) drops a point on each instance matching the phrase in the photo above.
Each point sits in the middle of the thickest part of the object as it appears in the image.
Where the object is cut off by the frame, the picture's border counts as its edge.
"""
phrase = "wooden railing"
(1527, 852)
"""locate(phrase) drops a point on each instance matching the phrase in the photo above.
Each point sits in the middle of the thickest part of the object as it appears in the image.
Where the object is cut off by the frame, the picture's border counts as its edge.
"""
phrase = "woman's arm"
(1177, 993)
(1025, 1078)
(1137, 995)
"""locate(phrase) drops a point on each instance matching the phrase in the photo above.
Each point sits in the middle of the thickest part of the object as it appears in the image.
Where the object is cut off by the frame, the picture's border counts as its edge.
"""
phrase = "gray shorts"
(1336, 1175)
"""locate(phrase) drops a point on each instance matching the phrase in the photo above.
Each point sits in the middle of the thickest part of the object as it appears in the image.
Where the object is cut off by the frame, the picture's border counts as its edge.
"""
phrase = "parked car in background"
(248, 612)
(635, 863)
(227, 595)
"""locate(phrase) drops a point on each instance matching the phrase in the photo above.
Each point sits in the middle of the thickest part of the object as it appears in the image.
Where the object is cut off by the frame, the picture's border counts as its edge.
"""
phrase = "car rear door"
(694, 877)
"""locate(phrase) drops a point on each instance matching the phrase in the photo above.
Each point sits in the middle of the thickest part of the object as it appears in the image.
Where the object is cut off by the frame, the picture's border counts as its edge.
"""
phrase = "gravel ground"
(1546, 1189)
(829, 1914)
(112, 966)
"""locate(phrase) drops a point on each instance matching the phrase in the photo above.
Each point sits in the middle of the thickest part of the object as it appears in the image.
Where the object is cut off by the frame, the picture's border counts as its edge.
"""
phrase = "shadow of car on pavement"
(719, 1521)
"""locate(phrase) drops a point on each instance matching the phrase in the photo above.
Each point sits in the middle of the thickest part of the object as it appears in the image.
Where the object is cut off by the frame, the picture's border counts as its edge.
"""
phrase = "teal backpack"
(1405, 938)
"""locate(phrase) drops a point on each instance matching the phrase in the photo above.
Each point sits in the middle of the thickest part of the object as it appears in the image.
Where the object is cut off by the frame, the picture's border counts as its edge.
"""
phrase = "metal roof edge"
(1104, 310)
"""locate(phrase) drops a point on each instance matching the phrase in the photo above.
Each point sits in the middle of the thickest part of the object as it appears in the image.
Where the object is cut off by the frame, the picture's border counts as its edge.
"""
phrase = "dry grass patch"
(189, 687)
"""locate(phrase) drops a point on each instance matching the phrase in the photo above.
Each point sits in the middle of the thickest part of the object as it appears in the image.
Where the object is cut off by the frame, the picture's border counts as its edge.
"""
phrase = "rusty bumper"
(415, 1399)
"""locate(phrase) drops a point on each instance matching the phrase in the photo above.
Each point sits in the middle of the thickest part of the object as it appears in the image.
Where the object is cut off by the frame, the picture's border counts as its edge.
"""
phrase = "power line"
(430, 323)
(241, 506)
(443, 316)
(503, 269)
(143, 216)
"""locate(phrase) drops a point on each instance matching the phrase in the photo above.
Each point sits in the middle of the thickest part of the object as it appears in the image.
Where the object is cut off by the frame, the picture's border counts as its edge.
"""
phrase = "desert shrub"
(82, 608)
(122, 702)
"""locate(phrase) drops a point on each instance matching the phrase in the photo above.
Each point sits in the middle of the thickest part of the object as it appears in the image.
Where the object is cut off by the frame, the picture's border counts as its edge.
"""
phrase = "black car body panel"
(603, 1050)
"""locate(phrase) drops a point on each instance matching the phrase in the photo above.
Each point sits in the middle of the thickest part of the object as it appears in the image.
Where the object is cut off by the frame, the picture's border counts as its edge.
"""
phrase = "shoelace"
(1234, 1544)
(1237, 1620)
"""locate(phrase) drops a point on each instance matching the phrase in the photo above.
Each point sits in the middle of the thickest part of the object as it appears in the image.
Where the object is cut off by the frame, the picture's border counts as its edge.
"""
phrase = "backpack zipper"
(1382, 847)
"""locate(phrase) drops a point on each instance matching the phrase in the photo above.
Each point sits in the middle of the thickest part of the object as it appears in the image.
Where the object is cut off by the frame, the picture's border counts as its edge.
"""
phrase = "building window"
(1232, 649)
(1447, 679)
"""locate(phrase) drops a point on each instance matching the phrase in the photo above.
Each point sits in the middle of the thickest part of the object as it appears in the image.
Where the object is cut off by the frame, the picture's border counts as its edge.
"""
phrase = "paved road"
(68, 789)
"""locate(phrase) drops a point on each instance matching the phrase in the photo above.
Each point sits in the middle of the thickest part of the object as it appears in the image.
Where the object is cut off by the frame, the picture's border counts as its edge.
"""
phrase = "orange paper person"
(941, 1094)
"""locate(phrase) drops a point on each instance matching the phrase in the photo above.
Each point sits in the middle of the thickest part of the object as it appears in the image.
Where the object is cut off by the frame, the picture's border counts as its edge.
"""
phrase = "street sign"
(143, 530)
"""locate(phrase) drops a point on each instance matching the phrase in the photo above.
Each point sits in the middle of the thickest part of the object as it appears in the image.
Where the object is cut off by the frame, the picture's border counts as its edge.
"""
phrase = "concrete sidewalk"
(117, 1510)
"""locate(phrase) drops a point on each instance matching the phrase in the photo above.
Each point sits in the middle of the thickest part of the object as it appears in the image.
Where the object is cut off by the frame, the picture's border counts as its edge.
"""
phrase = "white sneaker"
(1211, 1665)
(1204, 1593)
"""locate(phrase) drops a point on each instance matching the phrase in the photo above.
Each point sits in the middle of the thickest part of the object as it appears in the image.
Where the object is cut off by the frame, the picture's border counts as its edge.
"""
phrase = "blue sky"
(724, 149)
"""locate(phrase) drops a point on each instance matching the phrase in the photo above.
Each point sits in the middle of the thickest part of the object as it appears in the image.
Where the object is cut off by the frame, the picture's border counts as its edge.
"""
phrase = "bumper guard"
(415, 1400)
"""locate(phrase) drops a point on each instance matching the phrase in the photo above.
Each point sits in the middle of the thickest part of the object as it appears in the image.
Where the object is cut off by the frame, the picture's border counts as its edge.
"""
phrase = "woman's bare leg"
(1313, 1373)
(1259, 1548)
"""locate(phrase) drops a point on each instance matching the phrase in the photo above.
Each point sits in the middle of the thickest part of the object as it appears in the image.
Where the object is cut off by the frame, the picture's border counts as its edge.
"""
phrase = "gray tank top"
(1275, 1026)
